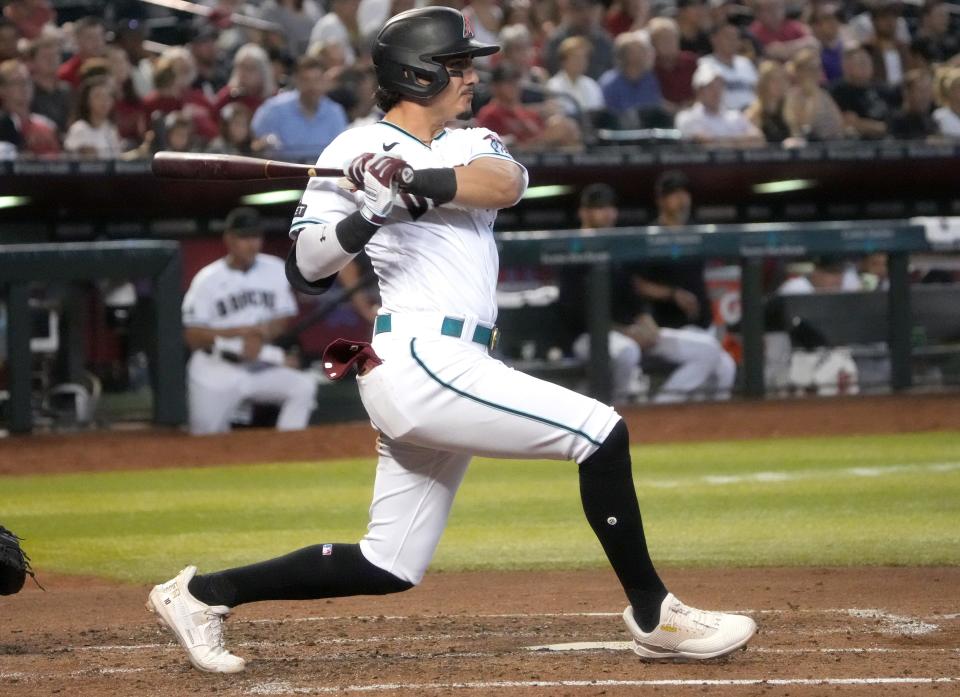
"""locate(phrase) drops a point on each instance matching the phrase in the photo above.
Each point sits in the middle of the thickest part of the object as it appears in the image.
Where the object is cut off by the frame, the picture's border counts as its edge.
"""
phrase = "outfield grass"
(813, 501)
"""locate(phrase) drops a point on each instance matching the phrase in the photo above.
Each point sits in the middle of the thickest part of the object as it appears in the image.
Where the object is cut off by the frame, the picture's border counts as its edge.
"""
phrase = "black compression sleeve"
(354, 231)
(439, 184)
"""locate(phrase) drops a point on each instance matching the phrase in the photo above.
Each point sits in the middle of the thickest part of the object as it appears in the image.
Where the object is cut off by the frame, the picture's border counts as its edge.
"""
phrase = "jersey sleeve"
(323, 201)
(485, 143)
(197, 310)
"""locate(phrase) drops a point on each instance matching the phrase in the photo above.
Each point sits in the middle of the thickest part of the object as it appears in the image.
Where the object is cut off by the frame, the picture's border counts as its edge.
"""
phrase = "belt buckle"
(494, 338)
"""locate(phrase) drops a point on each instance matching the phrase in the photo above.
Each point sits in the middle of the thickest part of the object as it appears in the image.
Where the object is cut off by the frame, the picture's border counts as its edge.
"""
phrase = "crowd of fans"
(284, 77)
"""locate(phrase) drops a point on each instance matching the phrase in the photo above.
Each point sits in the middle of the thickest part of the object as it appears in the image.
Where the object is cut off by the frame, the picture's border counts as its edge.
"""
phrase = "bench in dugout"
(859, 322)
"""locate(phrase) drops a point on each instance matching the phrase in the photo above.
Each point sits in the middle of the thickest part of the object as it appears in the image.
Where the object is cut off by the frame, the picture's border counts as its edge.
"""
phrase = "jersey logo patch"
(467, 27)
(301, 209)
(497, 145)
(388, 148)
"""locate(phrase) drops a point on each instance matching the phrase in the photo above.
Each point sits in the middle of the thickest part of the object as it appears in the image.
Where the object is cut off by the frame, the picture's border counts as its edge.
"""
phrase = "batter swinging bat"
(188, 165)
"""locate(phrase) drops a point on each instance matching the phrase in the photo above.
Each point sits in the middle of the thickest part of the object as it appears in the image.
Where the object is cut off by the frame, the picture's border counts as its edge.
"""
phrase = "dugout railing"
(748, 246)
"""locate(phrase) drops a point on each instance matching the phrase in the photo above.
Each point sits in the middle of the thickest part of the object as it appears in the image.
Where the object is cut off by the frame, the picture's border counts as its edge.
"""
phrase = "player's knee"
(304, 389)
(613, 455)
(375, 580)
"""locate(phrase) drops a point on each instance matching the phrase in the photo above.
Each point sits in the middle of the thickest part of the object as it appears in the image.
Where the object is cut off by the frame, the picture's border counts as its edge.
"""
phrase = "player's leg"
(294, 390)
(696, 355)
(214, 390)
(624, 363)
(724, 374)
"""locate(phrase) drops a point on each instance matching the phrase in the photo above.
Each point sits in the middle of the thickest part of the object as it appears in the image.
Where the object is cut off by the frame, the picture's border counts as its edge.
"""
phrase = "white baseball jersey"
(422, 252)
(220, 297)
(438, 398)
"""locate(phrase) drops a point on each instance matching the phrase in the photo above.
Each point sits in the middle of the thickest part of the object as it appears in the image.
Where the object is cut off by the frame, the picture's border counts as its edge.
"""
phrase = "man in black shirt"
(865, 104)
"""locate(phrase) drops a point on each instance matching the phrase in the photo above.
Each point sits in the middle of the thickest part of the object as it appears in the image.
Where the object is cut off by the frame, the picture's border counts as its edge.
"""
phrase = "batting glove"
(381, 180)
(356, 168)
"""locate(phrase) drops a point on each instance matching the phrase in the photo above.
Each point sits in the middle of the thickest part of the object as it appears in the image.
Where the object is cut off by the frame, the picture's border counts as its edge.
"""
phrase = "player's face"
(456, 99)
(242, 250)
(599, 217)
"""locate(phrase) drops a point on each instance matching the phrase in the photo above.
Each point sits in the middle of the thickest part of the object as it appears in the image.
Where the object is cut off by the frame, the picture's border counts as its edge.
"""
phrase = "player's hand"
(252, 343)
(355, 169)
(687, 302)
(381, 181)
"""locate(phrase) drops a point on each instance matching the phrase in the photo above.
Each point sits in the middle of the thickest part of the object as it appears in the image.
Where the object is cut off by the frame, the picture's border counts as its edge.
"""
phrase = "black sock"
(610, 503)
(319, 571)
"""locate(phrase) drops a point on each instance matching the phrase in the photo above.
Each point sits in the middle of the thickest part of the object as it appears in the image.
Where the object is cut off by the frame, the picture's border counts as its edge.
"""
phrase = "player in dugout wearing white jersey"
(235, 307)
(428, 382)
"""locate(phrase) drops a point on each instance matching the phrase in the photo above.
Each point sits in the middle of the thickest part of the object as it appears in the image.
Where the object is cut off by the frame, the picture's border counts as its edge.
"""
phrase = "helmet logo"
(467, 27)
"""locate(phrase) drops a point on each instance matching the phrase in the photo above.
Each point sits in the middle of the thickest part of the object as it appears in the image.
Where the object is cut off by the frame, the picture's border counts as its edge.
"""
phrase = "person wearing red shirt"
(780, 37)
(518, 125)
(172, 79)
(30, 16)
(673, 67)
(28, 133)
(91, 42)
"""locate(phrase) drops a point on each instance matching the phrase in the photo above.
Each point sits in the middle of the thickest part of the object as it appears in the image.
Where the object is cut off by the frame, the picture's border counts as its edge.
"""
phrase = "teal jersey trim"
(410, 135)
(493, 405)
(308, 221)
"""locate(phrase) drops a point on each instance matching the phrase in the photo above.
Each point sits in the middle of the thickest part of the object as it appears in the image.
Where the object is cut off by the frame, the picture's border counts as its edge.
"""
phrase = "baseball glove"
(14, 563)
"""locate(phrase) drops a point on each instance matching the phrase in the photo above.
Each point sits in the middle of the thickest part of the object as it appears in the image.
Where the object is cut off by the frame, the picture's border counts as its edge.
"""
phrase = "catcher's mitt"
(14, 563)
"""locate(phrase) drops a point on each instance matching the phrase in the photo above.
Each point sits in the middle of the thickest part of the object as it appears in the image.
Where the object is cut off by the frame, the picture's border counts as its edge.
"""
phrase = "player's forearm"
(489, 185)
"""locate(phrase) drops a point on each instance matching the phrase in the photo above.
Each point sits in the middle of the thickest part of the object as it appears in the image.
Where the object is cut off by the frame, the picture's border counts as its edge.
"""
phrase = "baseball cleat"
(687, 633)
(197, 626)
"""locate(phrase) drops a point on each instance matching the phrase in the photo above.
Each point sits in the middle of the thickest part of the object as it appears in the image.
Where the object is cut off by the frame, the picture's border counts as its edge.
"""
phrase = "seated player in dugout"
(434, 394)
(235, 310)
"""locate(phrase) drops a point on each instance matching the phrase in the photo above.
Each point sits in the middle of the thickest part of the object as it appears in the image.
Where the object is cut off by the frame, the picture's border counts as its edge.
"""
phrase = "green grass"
(704, 504)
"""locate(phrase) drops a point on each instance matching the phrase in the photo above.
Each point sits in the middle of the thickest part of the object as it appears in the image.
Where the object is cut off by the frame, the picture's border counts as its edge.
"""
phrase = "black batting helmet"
(414, 45)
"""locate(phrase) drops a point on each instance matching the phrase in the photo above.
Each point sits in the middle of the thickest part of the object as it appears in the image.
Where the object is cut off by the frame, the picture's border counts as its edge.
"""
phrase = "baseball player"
(701, 365)
(235, 307)
(429, 384)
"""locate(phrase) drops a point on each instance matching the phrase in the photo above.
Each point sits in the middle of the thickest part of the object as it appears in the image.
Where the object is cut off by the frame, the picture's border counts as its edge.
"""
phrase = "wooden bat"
(189, 165)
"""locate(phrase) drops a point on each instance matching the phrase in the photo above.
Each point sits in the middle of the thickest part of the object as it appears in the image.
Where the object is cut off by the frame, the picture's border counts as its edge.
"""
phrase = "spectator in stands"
(693, 27)
(626, 15)
(676, 292)
(518, 51)
(827, 27)
(583, 94)
(708, 122)
(890, 55)
(90, 39)
(236, 136)
(738, 72)
(486, 18)
(172, 78)
(339, 26)
(208, 61)
(864, 104)
(933, 41)
(861, 27)
(520, 127)
(356, 92)
(30, 17)
(809, 110)
(536, 20)
(128, 112)
(296, 19)
(251, 80)
(129, 36)
(947, 115)
(304, 120)
(766, 112)
(52, 97)
(779, 36)
(93, 133)
(914, 119)
(631, 90)
(28, 133)
(9, 38)
(579, 18)
(674, 67)
(233, 312)
(371, 15)
(178, 133)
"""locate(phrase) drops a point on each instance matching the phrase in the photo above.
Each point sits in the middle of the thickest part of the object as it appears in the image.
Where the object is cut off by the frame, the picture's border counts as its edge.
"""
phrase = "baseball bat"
(188, 165)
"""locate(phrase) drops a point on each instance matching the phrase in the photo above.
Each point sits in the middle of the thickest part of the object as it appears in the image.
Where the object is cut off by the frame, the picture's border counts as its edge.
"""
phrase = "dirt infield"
(859, 631)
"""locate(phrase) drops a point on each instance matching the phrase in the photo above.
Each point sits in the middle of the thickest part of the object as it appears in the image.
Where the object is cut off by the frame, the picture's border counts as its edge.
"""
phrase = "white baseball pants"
(215, 389)
(439, 400)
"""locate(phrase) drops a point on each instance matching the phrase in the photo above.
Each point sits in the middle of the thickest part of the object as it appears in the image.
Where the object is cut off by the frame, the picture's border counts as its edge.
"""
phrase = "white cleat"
(686, 633)
(197, 626)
